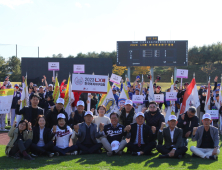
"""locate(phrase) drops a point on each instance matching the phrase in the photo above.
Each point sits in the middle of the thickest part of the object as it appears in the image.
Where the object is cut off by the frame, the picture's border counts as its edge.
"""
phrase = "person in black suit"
(142, 137)
(172, 136)
(42, 138)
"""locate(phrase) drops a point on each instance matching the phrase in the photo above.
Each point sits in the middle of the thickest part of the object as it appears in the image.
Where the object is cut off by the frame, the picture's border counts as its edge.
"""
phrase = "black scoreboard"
(152, 52)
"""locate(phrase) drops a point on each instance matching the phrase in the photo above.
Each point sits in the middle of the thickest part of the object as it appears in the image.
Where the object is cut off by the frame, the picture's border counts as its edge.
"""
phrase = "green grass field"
(102, 161)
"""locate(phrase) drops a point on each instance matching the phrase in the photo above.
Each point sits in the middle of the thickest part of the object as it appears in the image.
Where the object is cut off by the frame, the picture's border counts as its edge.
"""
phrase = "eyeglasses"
(22, 124)
(152, 107)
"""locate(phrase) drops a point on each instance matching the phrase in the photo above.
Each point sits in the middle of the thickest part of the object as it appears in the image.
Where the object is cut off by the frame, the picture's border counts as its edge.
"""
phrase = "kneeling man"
(207, 138)
(172, 136)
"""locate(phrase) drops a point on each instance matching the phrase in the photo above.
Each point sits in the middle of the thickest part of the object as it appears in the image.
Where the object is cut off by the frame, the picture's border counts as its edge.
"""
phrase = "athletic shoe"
(56, 153)
(50, 154)
(28, 157)
(74, 153)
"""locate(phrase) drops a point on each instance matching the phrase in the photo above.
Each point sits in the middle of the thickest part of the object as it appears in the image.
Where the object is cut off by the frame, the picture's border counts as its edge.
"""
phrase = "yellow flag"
(56, 91)
(66, 98)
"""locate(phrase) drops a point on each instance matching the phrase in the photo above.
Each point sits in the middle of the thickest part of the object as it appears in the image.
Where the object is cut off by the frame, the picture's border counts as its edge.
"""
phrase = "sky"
(73, 26)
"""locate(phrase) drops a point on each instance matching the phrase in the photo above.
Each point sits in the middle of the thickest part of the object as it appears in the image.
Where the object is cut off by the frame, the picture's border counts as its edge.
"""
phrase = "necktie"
(139, 136)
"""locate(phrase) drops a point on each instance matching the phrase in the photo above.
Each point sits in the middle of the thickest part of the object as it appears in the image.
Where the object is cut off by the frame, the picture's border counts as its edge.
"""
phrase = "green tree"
(14, 68)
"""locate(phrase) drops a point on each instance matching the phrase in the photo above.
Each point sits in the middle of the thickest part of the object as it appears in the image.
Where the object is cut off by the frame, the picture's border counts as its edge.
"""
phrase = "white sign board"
(213, 113)
(159, 98)
(137, 99)
(53, 66)
(6, 97)
(182, 73)
(78, 68)
(89, 83)
(115, 78)
(171, 96)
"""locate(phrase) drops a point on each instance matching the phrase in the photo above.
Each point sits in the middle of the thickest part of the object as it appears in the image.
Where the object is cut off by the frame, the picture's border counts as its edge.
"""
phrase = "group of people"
(47, 130)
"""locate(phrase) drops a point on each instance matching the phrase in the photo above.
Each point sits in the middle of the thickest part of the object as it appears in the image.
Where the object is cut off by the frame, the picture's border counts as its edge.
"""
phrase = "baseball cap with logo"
(129, 102)
(140, 114)
(172, 117)
(206, 116)
(61, 116)
(88, 113)
(115, 145)
(60, 100)
(80, 103)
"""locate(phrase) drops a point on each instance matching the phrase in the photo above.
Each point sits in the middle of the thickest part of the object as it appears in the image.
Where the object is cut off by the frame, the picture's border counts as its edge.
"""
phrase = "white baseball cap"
(40, 87)
(80, 103)
(88, 113)
(50, 85)
(61, 115)
(60, 100)
(172, 117)
(115, 145)
(140, 114)
(129, 102)
(206, 116)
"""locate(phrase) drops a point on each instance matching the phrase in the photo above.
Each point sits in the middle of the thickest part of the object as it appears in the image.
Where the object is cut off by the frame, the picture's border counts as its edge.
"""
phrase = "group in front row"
(141, 133)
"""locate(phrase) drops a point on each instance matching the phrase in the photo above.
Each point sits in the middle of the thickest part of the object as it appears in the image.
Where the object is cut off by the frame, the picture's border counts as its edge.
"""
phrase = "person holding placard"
(186, 122)
(127, 114)
(154, 118)
(207, 138)
(181, 92)
(158, 91)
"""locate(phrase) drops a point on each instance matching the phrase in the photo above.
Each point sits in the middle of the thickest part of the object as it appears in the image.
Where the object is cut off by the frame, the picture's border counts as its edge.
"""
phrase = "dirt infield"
(4, 138)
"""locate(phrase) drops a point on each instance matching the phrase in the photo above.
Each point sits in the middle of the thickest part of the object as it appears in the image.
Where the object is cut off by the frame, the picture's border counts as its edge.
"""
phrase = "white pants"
(12, 116)
(108, 147)
(203, 152)
(2, 121)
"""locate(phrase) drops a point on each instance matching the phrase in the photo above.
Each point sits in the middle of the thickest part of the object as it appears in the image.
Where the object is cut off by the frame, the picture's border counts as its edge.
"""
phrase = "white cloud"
(13, 3)
(78, 5)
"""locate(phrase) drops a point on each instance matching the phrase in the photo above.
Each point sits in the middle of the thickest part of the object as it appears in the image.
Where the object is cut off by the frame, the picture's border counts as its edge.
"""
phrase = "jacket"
(47, 135)
(199, 134)
(177, 137)
(13, 134)
(123, 120)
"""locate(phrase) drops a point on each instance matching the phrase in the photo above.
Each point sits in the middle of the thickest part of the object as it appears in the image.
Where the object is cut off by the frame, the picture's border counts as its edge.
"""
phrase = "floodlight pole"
(175, 74)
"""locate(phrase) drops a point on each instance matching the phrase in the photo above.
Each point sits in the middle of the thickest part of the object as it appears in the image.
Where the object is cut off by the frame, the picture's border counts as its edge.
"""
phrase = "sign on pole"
(115, 78)
(53, 66)
(137, 99)
(159, 98)
(78, 68)
(89, 83)
(171, 96)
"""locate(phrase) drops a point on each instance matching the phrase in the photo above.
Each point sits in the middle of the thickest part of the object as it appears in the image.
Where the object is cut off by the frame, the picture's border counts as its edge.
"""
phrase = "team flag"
(56, 91)
(207, 101)
(123, 96)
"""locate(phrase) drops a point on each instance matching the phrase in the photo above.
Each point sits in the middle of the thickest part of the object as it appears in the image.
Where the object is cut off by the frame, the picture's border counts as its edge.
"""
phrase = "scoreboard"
(152, 52)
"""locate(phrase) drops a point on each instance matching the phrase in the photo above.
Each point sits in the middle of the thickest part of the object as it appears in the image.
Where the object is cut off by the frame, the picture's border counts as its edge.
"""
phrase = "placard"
(6, 96)
(182, 73)
(89, 83)
(53, 66)
(159, 98)
(115, 78)
(213, 113)
(137, 99)
(78, 68)
(171, 96)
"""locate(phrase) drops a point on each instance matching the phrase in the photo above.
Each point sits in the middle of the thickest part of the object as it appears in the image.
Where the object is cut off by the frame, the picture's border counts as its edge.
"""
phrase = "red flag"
(207, 101)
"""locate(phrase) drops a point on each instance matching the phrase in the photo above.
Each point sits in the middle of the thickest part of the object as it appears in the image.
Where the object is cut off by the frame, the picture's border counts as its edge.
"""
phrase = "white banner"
(115, 78)
(171, 96)
(159, 98)
(6, 97)
(213, 113)
(182, 73)
(89, 83)
(78, 68)
(53, 66)
(137, 98)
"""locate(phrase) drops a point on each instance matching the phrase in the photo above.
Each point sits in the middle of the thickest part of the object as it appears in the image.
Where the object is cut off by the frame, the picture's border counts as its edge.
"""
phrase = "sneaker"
(213, 157)
(17, 156)
(109, 153)
(56, 153)
(33, 155)
(28, 157)
(50, 154)
(74, 153)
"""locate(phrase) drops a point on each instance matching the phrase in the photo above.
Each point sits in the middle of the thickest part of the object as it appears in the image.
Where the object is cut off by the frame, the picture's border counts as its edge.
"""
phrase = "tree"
(14, 68)
(208, 69)
(57, 56)
(71, 56)
(3, 69)
(141, 70)
(119, 70)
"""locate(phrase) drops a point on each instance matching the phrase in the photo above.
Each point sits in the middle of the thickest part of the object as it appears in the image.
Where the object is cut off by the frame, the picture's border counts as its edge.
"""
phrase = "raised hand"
(215, 79)
(76, 128)
(153, 129)
(127, 128)
(101, 127)
(29, 125)
(14, 123)
(162, 125)
(194, 130)
(54, 129)
(72, 114)
(19, 102)
(182, 116)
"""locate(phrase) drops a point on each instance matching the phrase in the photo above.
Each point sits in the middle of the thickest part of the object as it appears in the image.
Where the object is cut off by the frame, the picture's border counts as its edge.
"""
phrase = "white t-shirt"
(62, 137)
(41, 142)
(97, 120)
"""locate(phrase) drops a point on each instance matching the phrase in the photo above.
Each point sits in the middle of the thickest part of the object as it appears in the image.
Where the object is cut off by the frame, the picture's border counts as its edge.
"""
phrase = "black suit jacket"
(47, 135)
(148, 135)
(177, 137)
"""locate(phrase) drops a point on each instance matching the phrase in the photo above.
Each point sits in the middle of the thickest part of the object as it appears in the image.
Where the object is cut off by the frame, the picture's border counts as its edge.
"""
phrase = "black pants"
(146, 148)
(42, 150)
(165, 150)
(21, 146)
(89, 148)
